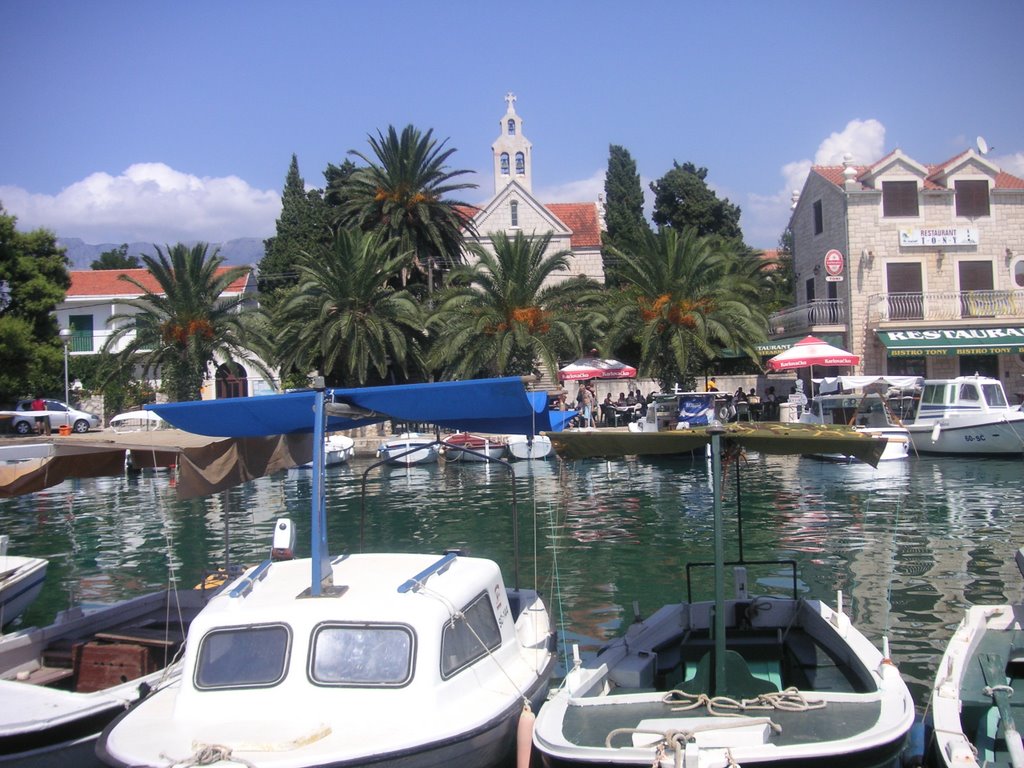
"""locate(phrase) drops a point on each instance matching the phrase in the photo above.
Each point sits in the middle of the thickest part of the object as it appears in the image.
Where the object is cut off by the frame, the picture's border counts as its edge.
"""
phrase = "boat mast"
(319, 551)
(716, 430)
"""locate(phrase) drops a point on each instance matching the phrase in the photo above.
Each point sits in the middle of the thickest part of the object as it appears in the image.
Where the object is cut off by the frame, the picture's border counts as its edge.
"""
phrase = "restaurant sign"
(938, 236)
(942, 342)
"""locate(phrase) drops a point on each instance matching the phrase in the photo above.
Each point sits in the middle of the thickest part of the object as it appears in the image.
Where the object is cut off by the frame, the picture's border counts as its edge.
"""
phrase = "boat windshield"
(994, 395)
(364, 655)
(243, 657)
(469, 636)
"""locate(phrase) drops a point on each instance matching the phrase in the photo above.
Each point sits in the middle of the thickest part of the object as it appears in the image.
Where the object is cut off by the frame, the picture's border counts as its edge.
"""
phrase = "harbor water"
(910, 544)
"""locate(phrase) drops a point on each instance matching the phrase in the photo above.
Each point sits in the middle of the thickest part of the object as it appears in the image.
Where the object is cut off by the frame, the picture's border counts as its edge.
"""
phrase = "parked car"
(59, 413)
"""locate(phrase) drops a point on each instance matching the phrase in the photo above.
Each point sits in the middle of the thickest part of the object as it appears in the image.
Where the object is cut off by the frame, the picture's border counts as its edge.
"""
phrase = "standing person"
(712, 385)
(42, 421)
(588, 407)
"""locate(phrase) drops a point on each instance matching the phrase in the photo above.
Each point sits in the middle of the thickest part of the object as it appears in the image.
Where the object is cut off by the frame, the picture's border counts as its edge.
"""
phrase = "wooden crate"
(103, 665)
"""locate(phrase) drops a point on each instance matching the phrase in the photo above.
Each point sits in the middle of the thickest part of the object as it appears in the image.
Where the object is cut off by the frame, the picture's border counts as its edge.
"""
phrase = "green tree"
(116, 258)
(686, 298)
(624, 202)
(683, 199)
(301, 228)
(182, 328)
(35, 271)
(347, 318)
(402, 196)
(496, 317)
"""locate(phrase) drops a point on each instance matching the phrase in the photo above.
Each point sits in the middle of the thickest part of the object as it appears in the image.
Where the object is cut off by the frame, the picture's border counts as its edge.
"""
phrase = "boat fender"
(935, 431)
(524, 736)
(912, 755)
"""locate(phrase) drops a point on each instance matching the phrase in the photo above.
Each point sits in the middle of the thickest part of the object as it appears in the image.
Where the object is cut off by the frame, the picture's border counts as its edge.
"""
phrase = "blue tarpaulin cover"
(493, 406)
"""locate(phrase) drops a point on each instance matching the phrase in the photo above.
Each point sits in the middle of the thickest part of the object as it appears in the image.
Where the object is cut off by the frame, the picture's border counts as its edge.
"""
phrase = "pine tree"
(624, 219)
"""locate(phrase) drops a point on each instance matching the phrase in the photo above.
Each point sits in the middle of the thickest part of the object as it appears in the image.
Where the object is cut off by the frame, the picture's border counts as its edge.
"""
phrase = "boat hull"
(524, 449)
(897, 446)
(20, 583)
(472, 448)
(967, 436)
(621, 708)
(406, 450)
(966, 718)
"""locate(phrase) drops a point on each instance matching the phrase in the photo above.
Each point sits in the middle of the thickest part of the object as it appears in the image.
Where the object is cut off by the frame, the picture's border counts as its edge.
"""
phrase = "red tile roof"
(107, 282)
(582, 219)
(834, 173)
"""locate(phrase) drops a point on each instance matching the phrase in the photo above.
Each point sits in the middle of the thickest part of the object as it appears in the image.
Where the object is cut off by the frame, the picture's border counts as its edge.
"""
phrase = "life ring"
(723, 413)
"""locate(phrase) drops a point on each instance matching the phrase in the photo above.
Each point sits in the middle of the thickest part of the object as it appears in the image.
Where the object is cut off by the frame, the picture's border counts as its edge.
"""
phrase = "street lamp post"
(65, 337)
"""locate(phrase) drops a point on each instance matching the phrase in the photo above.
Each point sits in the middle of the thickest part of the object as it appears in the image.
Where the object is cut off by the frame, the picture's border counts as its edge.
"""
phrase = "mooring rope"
(207, 754)
(788, 700)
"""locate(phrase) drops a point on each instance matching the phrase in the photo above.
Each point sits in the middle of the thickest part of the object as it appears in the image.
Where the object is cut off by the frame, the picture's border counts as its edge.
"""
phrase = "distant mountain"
(243, 250)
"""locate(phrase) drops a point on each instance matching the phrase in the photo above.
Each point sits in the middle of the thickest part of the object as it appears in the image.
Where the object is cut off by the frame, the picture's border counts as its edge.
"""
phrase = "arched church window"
(513, 208)
(520, 163)
(504, 163)
(511, 127)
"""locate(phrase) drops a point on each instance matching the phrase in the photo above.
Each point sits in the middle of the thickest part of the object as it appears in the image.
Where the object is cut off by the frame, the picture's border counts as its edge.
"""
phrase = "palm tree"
(685, 297)
(496, 317)
(182, 328)
(401, 195)
(347, 317)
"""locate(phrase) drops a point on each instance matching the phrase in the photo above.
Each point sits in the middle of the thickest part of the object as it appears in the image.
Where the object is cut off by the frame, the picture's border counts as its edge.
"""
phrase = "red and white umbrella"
(596, 368)
(809, 352)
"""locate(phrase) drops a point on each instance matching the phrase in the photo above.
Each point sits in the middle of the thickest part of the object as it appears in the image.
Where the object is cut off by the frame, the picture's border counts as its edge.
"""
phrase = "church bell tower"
(512, 160)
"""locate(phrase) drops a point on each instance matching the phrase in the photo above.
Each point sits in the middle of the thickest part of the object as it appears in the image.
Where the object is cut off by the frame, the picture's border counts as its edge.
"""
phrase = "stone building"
(918, 268)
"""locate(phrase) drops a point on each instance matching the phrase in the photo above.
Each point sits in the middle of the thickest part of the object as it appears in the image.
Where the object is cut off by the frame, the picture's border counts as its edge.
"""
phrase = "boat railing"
(437, 567)
(245, 586)
(691, 566)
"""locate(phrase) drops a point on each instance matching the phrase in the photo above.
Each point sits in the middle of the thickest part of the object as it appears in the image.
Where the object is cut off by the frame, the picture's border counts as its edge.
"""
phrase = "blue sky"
(170, 121)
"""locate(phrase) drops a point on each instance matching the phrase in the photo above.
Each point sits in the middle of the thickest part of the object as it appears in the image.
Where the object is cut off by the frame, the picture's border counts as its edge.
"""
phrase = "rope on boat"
(788, 700)
(676, 740)
(207, 754)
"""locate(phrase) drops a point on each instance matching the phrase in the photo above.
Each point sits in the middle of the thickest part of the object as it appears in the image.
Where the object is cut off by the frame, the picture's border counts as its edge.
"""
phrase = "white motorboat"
(409, 660)
(338, 449)
(966, 416)
(465, 446)
(769, 679)
(866, 408)
(61, 684)
(409, 448)
(137, 421)
(524, 448)
(21, 579)
(976, 699)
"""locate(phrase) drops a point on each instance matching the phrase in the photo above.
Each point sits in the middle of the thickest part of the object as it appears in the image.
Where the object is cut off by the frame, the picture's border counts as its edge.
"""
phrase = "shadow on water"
(910, 544)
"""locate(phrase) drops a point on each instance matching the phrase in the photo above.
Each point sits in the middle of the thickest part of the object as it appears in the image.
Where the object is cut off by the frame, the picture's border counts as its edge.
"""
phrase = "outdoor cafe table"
(619, 414)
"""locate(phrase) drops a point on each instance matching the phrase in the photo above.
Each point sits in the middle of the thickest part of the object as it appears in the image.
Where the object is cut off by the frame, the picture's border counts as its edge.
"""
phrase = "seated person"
(631, 399)
(622, 399)
(740, 396)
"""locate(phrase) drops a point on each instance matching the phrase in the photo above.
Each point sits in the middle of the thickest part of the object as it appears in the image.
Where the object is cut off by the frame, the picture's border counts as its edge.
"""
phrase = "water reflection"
(910, 544)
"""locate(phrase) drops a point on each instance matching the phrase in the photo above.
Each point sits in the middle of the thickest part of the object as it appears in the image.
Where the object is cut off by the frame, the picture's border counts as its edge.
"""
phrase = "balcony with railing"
(814, 315)
(945, 306)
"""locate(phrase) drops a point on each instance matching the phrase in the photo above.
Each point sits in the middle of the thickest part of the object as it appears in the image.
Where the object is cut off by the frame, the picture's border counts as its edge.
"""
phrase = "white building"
(918, 268)
(97, 295)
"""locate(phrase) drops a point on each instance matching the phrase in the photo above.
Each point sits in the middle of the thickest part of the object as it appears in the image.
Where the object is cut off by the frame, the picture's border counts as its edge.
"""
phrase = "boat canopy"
(494, 406)
(829, 384)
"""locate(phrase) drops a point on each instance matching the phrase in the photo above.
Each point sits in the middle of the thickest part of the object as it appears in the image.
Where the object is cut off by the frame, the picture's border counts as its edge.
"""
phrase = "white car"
(59, 413)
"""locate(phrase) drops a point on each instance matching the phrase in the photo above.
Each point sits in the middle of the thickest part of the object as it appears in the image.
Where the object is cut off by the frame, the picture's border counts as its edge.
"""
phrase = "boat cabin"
(963, 395)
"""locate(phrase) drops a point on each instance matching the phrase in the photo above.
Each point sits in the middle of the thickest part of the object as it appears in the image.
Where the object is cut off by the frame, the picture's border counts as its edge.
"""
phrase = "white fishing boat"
(752, 679)
(966, 416)
(61, 684)
(465, 446)
(861, 402)
(21, 579)
(979, 685)
(409, 660)
(410, 448)
(338, 449)
(525, 448)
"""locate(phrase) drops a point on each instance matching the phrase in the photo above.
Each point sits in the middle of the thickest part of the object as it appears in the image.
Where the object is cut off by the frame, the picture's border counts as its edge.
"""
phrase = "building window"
(972, 198)
(809, 288)
(513, 208)
(520, 163)
(819, 219)
(511, 127)
(82, 333)
(899, 198)
(1018, 273)
(504, 163)
(904, 288)
(977, 284)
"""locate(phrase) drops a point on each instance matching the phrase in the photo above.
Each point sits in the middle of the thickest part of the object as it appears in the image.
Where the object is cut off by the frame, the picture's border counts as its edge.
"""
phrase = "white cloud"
(148, 202)
(582, 191)
(1010, 163)
(765, 217)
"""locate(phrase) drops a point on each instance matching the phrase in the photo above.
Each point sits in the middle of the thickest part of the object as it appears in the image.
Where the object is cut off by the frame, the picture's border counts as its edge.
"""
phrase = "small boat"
(338, 449)
(137, 421)
(464, 446)
(754, 679)
(409, 448)
(413, 660)
(967, 416)
(21, 579)
(61, 684)
(523, 447)
(975, 700)
(866, 408)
